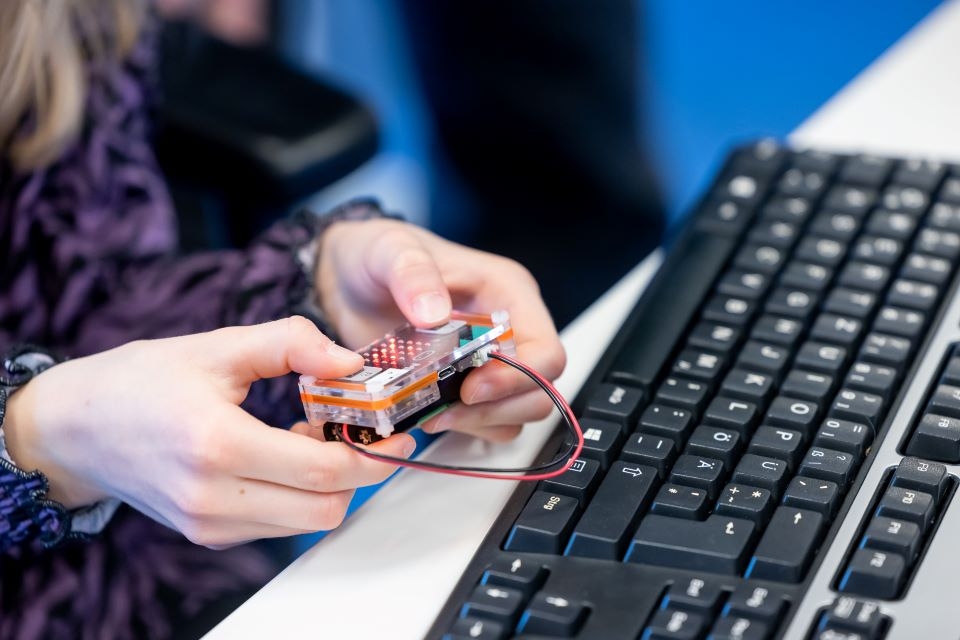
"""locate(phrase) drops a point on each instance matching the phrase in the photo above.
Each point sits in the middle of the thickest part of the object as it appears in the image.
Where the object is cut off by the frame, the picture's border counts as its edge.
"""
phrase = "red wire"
(412, 464)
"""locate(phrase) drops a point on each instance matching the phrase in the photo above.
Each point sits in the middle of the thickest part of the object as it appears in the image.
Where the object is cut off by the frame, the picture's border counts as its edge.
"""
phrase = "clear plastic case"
(405, 371)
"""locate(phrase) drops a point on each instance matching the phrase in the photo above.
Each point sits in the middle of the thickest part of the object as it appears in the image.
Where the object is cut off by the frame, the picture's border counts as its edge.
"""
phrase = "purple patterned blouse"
(88, 261)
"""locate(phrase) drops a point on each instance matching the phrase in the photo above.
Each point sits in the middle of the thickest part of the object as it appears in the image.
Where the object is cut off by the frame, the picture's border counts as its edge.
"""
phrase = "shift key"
(623, 495)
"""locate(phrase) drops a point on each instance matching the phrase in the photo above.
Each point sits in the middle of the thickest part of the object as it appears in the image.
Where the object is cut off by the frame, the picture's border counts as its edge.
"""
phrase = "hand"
(158, 425)
(374, 274)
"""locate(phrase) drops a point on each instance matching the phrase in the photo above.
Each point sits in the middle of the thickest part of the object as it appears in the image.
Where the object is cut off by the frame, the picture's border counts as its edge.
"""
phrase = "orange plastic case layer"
(404, 371)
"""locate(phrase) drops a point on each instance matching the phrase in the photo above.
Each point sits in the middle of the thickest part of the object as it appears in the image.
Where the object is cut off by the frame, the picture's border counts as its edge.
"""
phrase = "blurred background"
(563, 133)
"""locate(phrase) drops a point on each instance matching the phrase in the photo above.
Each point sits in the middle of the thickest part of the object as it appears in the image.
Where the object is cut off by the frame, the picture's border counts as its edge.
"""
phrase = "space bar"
(666, 307)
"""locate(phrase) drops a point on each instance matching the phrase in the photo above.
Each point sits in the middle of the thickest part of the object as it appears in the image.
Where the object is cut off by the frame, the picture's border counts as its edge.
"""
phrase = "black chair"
(244, 136)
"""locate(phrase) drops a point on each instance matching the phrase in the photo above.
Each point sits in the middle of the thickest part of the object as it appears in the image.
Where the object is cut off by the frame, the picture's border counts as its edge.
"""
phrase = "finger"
(275, 348)
(400, 261)
(254, 501)
(520, 409)
(258, 452)
(497, 380)
(223, 534)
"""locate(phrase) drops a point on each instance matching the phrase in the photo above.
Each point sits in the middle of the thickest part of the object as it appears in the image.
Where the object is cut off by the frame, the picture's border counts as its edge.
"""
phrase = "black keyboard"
(731, 424)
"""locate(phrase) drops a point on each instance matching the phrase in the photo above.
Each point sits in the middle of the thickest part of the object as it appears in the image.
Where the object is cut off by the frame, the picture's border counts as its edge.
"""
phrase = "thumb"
(276, 348)
(401, 262)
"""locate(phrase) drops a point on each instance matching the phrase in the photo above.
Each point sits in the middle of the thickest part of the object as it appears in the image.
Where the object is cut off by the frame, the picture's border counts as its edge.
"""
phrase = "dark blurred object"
(244, 136)
(536, 108)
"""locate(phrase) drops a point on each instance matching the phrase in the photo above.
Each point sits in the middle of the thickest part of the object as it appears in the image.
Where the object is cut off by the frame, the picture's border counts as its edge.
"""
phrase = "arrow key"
(523, 575)
(500, 604)
(475, 629)
(552, 615)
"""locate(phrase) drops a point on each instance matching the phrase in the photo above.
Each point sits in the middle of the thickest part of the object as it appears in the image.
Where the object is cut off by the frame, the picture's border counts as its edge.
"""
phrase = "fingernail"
(409, 448)
(482, 393)
(441, 423)
(337, 352)
(431, 308)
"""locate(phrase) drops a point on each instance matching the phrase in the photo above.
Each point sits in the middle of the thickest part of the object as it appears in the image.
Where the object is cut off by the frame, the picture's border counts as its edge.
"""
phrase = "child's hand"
(374, 274)
(157, 425)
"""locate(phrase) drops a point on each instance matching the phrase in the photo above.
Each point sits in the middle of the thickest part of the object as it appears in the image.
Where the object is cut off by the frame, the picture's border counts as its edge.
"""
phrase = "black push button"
(899, 536)
(743, 501)
(713, 442)
(809, 386)
(776, 442)
(884, 349)
(616, 403)
(843, 435)
(544, 523)
(601, 440)
(686, 394)
(729, 413)
(671, 624)
(654, 451)
(624, 493)
(821, 496)
(872, 378)
(579, 481)
(936, 438)
(829, 464)
(501, 604)
(760, 471)
(475, 629)
(929, 477)
(755, 602)
(738, 628)
(946, 401)
(680, 502)
(669, 422)
(552, 615)
(717, 545)
(700, 595)
(791, 413)
(907, 504)
(858, 406)
(877, 574)
(752, 386)
(698, 471)
(787, 545)
(853, 615)
(714, 337)
(701, 365)
(516, 573)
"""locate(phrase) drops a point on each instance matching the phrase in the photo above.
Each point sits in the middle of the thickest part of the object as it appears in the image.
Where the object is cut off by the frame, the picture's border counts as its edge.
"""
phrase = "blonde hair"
(45, 46)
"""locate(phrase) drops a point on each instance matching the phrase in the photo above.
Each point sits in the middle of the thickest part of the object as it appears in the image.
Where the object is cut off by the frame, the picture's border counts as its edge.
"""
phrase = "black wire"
(560, 459)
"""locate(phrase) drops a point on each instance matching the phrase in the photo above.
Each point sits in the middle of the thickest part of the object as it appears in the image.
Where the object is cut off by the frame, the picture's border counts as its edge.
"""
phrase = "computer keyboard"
(772, 439)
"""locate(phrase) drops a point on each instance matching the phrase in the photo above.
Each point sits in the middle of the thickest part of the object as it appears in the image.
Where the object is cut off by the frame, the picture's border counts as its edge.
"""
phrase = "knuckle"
(201, 534)
(504, 433)
(194, 501)
(328, 513)
(205, 450)
(319, 477)
(297, 325)
(555, 362)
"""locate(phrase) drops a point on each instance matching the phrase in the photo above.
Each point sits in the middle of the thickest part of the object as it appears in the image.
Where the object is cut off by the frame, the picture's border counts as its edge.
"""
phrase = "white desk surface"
(388, 570)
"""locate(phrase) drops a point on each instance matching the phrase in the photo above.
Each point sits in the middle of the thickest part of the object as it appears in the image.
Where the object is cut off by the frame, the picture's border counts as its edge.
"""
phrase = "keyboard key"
(889, 224)
(714, 337)
(946, 400)
(865, 277)
(787, 546)
(854, 615)
(887, 534)
(475, 629)
(654, 451)
(552, 615)
(670, 624)
(827, 464)
(731, 414)
(914, 295)
(699, 472)
(687, 394)
(736, 628)
(579, 481)
(730, 311)
(601, 440)
(625, 492)
(781, 331)
(516, 573)
(877, 250)
(866, 170)
(809, 386)
(805, 184)
(779, 443)
(873, 378)
(759, 258)
(743, 284)
(876, 574)
(500, 604)
(848, 302)
(787, 209)
(843, 435)
(944, 216)
(725, 216)
(791, 413)
(746, 502)
(748, 385)
(755, 602)
(926, 269)
(700, 595)
(858, 406)
(669, 422)
(950, 192)
(922, 174)
(951, 375)
(806, 276)
(821, 496)
(837, 226)
(793, 303)
(929, 477)
(758, 356)
(819, 161)
(713, 442)
(900, 322)
(907, 504)
(885, 349)
(717, 545)
(680, 502)
(616, 403)
(907, 199)
(823, 358)
(942, 244)
(761, 471)
(936, 438)
(698, 364)
(833, 329)
(851, 199)
(823, 251)
(544, 524)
